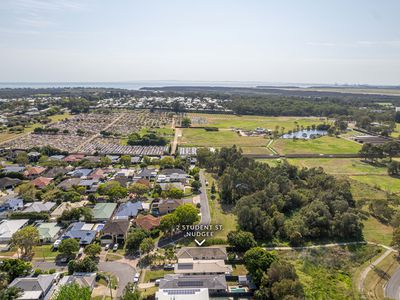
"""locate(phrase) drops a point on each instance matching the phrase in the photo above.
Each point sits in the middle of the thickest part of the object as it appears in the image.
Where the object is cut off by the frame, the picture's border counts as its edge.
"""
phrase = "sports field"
(252, 122)
(322, 145)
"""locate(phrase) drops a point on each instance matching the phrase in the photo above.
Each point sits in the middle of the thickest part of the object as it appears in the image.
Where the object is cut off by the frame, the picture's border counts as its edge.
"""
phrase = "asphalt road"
(122, 271)
(205, 208)
(392, 288)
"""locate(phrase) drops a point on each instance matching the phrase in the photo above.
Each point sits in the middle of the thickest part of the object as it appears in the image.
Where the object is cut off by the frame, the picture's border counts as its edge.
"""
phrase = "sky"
(291, 41)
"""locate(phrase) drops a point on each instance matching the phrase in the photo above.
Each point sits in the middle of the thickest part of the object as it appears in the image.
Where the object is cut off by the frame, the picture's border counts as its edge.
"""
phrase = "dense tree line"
(149, 139)
(284, 202)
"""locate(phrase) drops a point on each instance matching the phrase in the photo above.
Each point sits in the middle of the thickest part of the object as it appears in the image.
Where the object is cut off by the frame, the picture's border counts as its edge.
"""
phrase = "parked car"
(136, 278)
(115, 247)
(80, 252)
(107, 247)
(56, 244)
(168, 267)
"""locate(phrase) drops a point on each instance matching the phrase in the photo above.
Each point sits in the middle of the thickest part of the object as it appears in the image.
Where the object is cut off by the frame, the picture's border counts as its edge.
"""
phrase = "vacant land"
(223, 138)
(323, 145)
(340, 166)
(377, 232)
(385, 183)
(252, 122)
(329, 273)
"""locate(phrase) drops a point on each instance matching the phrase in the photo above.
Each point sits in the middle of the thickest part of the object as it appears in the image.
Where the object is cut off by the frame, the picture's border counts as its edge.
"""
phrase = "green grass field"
(396, 132)
(223, 138)
(252, 122)
(384, 182)
(375, 231)
(323, 145)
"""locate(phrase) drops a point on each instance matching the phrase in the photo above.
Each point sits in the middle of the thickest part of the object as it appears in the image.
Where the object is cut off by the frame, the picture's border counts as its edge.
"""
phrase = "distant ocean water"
(133, 85)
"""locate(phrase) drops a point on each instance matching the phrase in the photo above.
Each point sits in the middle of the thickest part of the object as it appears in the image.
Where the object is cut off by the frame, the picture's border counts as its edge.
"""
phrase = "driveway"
(205, 208)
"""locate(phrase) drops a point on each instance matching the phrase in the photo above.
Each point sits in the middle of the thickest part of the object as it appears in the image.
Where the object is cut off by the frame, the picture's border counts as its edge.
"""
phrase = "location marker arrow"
(199, 243)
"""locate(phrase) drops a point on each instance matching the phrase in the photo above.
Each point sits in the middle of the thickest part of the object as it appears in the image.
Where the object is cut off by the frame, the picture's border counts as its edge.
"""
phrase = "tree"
(69, 247)
(125, 160)
(186, 122)
(73, 291)
(86, 265)
(134, 240)
(15, 268)
(396, 238)
(196, 185)
(27, 191)
(168, 223)
(10, 293)
(92, 250)
(186, 214)
(138, 189)
(213, 189)
(257, 260)
(105, 161)
(175, 193)
(25, 239)
(113, 189)
(241, 240)
(147, 245)
(75, 214)
(22, 158)
(131, 293)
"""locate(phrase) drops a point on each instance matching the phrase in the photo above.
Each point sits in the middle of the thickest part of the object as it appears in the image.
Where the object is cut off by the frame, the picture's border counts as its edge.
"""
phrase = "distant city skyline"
(289, 41)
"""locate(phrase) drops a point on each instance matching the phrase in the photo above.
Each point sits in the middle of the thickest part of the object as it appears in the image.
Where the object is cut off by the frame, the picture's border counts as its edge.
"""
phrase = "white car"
(115, 247)
(136, 278)
(107, 247)
(56, 244)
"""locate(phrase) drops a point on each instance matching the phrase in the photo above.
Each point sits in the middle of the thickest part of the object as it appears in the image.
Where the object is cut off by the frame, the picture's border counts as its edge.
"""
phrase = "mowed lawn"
(340, 166)
(385, 182)
(377, 232)
(252, 122)
(322, 145)
(222, 138)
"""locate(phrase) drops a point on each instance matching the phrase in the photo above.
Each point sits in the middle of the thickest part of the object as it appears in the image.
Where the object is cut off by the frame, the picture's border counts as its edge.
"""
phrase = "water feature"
(305, 134)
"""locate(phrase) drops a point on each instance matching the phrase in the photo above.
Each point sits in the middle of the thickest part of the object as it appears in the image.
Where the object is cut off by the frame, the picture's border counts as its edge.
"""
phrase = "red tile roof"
(41, 182)
(147, 222)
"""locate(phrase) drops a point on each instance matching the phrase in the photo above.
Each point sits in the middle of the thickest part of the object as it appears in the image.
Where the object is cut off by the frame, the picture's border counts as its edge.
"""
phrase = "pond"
(305, 134)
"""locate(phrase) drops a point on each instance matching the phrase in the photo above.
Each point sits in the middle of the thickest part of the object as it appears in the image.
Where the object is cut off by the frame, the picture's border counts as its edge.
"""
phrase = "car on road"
(107, 247)
(115, 247)
(136, 278)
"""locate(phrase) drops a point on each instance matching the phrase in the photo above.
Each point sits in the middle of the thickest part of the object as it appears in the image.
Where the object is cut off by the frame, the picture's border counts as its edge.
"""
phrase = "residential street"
(205, 208)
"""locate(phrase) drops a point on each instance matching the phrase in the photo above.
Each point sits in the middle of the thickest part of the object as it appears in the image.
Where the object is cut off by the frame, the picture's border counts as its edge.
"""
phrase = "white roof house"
(9, 227)
(182, 294)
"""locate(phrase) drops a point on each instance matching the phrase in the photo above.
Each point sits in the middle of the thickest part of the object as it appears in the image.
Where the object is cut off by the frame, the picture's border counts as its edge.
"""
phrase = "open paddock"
(252, 122)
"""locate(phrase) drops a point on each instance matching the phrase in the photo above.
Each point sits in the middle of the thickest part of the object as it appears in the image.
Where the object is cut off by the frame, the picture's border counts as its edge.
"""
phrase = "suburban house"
(81, 231)
(80, 173)
(182, 294)
(12, 169)
(98, 174)
(33, 172)
(13, 203)
(74, 158)
(41, 182)
(39, 207)
(199, 253)
(90, 185)
(215, 284)
(115, 231)
(103, 211)
(35, 288)
(165, 186)
(128, 210)
(54, 172)
(67, 184)
(80, 278)
(66, 206)
(7, 183)
(172, 175)
(147, 222)
(57, 157)
(164, 206)
(48, 232)
(147, 174)
(9, 227)
(196, 267)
